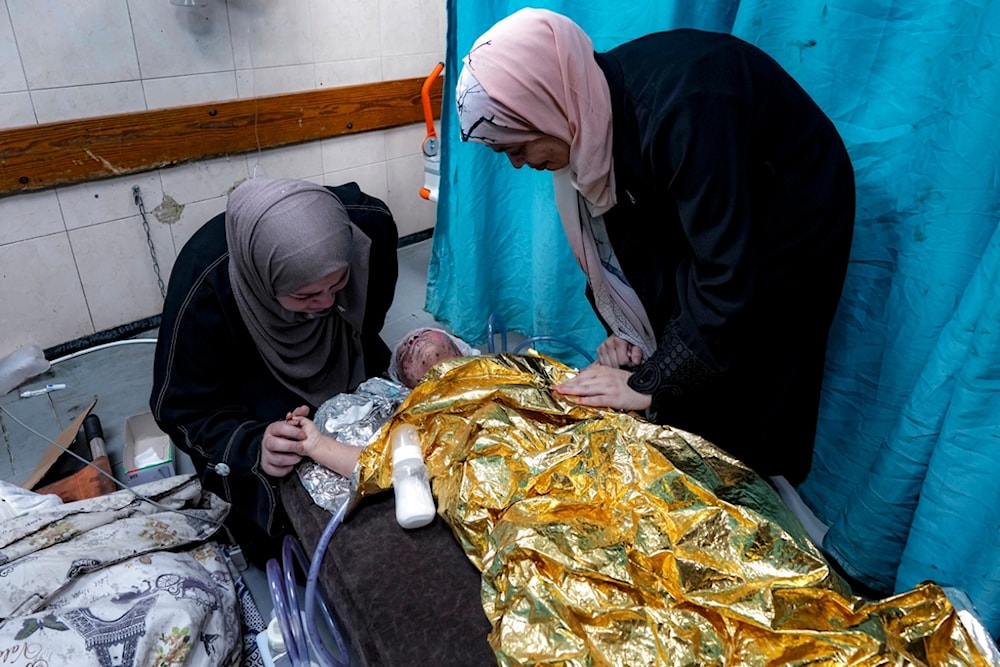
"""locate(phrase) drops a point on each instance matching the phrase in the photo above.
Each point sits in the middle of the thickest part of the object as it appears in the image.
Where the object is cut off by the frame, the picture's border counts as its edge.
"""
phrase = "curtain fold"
(908, 444)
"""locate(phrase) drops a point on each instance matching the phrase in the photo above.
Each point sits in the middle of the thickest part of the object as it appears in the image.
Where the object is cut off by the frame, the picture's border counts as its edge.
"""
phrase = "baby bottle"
(414, 502)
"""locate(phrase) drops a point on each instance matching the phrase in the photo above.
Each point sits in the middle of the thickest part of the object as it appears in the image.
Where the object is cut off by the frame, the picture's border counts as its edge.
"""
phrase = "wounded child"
(421, 349)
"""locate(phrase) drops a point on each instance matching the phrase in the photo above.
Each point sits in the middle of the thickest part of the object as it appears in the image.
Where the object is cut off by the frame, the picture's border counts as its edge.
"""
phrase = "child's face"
(422, 350)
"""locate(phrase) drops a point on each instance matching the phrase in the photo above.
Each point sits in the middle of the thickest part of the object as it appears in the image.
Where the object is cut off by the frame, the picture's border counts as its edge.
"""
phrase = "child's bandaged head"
(420, 349)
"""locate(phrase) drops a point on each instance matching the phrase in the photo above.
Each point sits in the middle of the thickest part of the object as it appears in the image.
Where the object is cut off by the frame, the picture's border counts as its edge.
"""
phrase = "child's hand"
(314, 437)
(320, 447)
(310, 437)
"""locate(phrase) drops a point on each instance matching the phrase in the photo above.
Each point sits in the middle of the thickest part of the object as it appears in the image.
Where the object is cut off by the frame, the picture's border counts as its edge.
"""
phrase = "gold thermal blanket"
(606, 540)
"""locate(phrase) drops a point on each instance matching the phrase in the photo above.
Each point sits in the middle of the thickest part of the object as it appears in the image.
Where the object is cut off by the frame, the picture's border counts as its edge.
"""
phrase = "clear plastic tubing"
(314, 593)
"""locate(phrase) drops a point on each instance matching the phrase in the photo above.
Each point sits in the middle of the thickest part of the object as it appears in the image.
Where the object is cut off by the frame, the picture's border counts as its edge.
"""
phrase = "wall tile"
(275, 80)
(303, 161)
(173, 41)
(410, 26)
(208, 179)
(345, 30)
(175, 91)
(353, 150)
(194, 216)
(29, 216)
(370, 178)
(241, 16)
(11, 70)
(270, 34)
(405, 176)
(16, 110)
(348, 72)
(100, 201)
(41, 293)
(404, 141)
(72, 102)
(74, 43)
(117, 272)
(411, 65)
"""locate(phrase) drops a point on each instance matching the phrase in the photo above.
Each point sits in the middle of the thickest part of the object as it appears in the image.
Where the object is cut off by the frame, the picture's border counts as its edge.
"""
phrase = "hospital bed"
(402, 598)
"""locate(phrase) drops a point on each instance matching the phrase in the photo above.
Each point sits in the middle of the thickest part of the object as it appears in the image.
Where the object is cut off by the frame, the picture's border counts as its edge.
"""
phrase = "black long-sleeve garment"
(212, 392)
(733, 224)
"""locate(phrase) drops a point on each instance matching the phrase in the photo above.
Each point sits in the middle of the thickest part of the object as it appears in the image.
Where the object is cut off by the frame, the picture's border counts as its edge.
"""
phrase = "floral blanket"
(118, 580)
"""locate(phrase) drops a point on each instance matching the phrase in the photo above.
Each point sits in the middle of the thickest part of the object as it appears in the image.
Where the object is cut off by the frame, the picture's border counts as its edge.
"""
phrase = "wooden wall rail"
(44, 156)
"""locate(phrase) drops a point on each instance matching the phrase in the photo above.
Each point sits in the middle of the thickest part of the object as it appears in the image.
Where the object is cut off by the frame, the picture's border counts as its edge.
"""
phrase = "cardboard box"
(63, 442)
(144, 442)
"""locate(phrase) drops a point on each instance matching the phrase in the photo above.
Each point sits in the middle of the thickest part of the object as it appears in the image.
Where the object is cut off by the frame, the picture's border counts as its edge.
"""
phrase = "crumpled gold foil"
(606, 540)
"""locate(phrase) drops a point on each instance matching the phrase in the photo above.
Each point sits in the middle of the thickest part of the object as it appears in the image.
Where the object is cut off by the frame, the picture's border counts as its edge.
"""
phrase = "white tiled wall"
(75, 260)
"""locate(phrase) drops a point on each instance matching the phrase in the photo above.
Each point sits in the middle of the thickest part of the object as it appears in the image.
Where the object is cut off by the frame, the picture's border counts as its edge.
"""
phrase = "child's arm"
(324, 450)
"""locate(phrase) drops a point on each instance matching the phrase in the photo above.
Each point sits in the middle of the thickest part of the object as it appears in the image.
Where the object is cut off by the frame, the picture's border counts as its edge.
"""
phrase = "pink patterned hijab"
(533, 73)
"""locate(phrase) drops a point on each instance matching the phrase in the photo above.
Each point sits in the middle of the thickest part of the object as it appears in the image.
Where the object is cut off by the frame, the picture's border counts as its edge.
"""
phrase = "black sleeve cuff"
(672, 370)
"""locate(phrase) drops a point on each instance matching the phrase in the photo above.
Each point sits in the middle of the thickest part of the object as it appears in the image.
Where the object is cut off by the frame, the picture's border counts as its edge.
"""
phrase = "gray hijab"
(283, 234)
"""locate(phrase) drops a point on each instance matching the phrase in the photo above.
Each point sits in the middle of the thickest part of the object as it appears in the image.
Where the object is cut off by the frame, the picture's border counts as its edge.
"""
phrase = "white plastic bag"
(23, 363)
(15, 501)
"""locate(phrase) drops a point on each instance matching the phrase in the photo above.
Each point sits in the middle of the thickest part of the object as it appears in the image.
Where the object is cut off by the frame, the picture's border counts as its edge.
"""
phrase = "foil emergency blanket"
(605, 540)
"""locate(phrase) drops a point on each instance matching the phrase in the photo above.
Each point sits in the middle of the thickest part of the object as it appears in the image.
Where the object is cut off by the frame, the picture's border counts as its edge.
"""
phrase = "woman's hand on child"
(604, 387)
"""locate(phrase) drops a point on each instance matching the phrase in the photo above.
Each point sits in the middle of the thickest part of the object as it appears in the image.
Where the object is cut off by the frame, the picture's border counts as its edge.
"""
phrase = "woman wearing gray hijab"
(273, 307)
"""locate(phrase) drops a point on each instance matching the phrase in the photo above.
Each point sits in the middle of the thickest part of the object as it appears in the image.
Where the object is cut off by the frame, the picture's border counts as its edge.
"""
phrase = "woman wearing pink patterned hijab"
(708, 200)
(530, 88)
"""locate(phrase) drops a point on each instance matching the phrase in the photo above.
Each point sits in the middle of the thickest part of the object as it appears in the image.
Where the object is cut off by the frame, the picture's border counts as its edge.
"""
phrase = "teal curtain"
(906, 470)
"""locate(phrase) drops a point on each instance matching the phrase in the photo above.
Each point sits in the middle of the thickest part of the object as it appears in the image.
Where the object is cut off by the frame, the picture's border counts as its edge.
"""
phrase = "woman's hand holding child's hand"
(288, 442)
(312, 437)
(281, 448)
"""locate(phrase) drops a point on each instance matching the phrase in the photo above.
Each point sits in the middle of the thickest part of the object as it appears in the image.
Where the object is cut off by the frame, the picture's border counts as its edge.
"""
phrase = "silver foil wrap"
(355, 419)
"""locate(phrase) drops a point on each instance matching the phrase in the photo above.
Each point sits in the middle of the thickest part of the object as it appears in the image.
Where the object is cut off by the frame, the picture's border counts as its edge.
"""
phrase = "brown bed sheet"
(402, 597)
